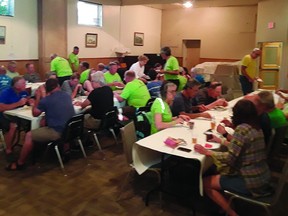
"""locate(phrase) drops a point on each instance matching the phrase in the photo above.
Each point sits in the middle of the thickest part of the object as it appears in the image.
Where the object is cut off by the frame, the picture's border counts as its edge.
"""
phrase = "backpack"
(142, 124)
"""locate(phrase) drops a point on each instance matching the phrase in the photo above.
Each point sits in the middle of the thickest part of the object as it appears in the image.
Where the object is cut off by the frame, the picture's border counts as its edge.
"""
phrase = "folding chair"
(108, 122)
(72, 131)
(128, 134)
(267, 202)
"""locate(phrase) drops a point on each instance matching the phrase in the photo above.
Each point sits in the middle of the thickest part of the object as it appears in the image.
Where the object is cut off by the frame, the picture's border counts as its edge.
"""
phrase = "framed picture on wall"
(2, 34)
(91, 40)
(138, 39)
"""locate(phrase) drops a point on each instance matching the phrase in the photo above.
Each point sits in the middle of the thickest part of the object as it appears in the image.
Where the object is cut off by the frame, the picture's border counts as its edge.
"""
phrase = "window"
(89, 13)
(7, 7)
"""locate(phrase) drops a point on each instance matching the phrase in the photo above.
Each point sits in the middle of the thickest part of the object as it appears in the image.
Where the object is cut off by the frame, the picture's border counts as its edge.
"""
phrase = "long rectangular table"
(25, 112)
(147, 152)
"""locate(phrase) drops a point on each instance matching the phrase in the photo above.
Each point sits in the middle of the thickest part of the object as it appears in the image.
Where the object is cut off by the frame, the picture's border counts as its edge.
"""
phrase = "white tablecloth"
(34, 86)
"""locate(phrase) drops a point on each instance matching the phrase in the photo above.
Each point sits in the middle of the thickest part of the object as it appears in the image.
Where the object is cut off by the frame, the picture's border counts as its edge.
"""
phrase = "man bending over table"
(11, 98)
(183, 101)
(53, 105)
(208, 97)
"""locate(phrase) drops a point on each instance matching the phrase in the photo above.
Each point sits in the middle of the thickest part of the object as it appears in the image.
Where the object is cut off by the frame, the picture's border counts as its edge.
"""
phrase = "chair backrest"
(128, 138)
(277, 140)
(74, 128)
(110, 119)
(149, 103)
(281, 183)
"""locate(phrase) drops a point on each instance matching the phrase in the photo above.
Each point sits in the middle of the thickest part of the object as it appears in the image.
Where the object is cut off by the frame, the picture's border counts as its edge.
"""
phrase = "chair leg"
(97, 141)
(59, 159)
(2, 138)
(114, 135)
(83, 151)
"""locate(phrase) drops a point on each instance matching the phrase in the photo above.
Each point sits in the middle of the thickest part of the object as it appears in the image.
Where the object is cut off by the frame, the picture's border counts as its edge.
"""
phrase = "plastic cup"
(194, 140)
(213, 125)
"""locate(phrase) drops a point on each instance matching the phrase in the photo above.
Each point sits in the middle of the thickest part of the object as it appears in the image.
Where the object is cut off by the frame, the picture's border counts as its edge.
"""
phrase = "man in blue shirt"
(58, 110)
(5, 81)
(11, 98)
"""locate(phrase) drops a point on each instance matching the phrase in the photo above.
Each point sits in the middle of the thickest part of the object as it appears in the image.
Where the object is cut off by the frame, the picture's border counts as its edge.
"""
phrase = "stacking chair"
(73, 131)
(108, 122)
(267, 202)
(128, 134)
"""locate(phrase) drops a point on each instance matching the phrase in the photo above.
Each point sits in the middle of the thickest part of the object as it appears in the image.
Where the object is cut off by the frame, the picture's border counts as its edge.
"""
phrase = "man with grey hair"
(248, 71)
(101, 100)
(11, 69)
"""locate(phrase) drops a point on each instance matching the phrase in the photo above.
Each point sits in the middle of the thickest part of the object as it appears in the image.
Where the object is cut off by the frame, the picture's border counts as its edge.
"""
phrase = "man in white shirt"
(139, 67)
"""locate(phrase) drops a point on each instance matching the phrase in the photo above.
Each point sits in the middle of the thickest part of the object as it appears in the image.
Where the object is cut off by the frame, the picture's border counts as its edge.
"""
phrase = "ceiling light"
(187, 4)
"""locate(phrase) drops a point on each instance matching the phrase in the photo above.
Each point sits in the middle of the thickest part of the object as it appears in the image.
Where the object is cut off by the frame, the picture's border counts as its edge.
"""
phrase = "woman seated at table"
(161, 115)
(242, 168)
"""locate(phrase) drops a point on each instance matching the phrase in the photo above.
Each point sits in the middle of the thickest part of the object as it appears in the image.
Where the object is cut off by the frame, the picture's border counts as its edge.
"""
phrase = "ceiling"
(176, 4)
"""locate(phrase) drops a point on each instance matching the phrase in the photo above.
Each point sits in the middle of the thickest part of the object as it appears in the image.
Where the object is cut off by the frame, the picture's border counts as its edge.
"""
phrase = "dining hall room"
(114, 167)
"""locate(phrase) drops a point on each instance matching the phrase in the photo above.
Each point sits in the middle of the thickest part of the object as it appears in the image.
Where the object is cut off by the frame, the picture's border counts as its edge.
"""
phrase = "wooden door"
(191, 53)
(270, 64)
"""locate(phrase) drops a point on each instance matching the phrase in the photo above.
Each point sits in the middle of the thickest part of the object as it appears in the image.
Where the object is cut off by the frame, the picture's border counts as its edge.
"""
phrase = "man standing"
(11, 98)
(53, 105)
(183, 101)
(31, 76)
(73, 59)
(248, 71)
(171, 68)
(11, 69)
(61, 67)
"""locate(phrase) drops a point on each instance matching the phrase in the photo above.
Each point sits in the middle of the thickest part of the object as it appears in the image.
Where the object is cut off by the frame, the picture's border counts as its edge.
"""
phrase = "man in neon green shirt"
(84, 69)
(248, 71)
(171, 68)
(61, 67)
(135, 92)
(73, 59)
(112, 78)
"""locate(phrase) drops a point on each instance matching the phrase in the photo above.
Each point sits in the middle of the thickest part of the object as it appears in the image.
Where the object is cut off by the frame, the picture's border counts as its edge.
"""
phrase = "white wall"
(21, 32)
(119, 25)
(225, 32)
(141, 19)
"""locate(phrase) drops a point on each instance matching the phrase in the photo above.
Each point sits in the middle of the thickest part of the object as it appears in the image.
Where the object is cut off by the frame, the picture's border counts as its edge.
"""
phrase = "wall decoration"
(91, 40)
(2, 34)
(138, 39)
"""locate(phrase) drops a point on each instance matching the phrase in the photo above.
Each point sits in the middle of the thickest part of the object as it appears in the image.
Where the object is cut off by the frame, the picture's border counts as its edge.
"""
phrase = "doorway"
(191, 53)
(270, 62)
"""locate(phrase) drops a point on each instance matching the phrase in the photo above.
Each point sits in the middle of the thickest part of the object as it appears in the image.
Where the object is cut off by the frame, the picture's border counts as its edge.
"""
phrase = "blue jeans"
(247, 87)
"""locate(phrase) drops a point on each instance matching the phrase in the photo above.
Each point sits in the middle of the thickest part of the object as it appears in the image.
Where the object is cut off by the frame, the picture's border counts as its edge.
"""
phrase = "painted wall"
(275, 11)
(225, 32)
(119, 25)
(141, 19)
(21, 32)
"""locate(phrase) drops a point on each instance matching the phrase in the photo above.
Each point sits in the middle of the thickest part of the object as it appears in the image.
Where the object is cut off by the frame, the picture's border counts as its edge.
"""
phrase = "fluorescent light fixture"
(187, 4)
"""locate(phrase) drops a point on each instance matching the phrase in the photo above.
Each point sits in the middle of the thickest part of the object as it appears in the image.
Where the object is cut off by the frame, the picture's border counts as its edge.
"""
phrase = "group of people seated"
(177, 97)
